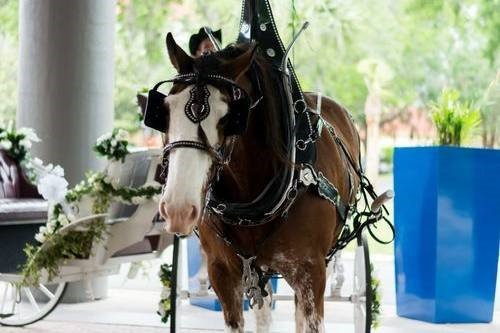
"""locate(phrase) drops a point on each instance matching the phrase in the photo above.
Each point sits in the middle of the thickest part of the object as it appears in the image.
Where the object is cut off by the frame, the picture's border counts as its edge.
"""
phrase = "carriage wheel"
(21, 306)
(362, 293)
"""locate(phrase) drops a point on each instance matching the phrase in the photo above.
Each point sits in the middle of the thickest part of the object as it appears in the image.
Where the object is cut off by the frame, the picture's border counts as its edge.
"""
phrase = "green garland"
(78, 244)
(103, 190)
(164, 306)
(73, 245)
(376, 299)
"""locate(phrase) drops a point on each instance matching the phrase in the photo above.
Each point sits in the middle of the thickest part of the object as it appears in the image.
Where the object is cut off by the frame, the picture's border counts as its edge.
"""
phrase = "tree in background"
(377, 75)
(428, 45)
(490, 113)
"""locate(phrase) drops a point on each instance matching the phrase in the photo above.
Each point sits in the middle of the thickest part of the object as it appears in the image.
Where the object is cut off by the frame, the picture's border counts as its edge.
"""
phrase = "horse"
(294, 245)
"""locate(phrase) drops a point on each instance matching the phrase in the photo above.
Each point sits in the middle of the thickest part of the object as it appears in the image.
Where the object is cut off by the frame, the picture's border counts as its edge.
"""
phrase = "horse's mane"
(265, 118)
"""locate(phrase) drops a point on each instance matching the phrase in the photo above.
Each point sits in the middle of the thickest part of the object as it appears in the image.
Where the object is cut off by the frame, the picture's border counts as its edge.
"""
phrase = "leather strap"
(327, 191)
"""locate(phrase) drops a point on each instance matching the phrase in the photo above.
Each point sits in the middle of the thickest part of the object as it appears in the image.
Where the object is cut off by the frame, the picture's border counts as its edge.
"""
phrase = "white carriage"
(132, 235)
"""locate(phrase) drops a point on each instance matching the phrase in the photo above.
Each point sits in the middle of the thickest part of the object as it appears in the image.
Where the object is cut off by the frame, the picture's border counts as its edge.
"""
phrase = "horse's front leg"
(308, 282)
(228, 287)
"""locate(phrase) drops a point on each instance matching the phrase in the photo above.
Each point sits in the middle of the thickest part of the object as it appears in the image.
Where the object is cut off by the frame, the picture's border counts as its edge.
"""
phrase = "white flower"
(37, 162)
(29, 133)
(58, 171)
(137, 200)
(53, 188)
(40, 237)
(93, 178)
(161, 310)
(5, 144)
(111, 180)
(113, 143)
(165, 293)
(63, 220)
(102, 138)
(97, 186)
(25, 143)
(122, 135)
(42, 230)
(51, 227)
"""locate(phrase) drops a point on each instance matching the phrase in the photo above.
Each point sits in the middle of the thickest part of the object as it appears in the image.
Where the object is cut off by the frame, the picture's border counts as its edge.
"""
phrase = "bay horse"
(294, 246)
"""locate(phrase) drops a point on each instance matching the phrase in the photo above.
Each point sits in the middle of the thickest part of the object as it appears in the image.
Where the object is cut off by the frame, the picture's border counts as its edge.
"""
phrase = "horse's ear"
(182, 62)
(239, 66)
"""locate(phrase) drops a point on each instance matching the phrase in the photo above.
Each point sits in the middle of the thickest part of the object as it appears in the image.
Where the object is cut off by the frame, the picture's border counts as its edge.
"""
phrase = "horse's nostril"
(194, 213)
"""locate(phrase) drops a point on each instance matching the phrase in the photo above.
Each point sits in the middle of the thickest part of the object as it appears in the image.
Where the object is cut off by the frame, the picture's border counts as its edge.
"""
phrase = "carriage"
(132, 235)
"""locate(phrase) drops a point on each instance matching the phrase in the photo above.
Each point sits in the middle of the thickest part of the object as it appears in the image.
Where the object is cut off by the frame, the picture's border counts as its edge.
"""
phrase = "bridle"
(216, 154)
(197, 109)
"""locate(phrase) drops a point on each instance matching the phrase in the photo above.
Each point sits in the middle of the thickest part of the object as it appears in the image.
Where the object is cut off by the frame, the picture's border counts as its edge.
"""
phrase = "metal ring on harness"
(301, 144)
(300, 106)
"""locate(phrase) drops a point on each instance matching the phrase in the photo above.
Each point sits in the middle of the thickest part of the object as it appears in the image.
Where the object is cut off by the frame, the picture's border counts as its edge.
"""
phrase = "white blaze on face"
(188, 168)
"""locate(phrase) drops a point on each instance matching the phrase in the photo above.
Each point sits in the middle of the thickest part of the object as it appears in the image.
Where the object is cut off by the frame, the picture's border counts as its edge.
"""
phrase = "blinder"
(156, 115)
(234, 122)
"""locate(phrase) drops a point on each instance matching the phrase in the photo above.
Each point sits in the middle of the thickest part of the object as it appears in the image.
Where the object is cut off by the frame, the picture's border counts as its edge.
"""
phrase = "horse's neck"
(249, 171)
(251, 166)
(254, 162)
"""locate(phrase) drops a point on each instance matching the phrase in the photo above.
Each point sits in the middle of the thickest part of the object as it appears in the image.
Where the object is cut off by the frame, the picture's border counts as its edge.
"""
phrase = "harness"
(302, 127)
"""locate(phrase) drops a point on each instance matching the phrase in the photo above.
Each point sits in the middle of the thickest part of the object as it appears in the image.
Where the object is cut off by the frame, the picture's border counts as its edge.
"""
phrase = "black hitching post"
(173, 287)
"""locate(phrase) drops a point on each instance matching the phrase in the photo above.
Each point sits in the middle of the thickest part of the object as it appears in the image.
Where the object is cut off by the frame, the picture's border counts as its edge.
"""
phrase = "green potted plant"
(447, 212)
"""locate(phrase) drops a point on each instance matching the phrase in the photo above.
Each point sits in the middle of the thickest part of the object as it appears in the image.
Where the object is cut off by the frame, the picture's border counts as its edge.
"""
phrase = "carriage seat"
(22, 212)
(138, 169)
(21, 209)
(19, 200)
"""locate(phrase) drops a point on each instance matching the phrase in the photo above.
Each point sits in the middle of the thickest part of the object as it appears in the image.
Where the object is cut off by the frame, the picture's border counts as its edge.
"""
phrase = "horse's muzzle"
(179, 219)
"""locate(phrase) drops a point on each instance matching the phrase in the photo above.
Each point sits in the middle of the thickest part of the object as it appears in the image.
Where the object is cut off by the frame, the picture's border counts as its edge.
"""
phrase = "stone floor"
(212, 323)
(131, 306)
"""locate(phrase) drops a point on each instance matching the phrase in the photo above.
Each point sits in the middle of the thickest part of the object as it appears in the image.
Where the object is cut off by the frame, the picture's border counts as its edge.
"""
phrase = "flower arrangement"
(55, 247)
(50, 180)
(164, 306)
(113, 146)
(17, 143)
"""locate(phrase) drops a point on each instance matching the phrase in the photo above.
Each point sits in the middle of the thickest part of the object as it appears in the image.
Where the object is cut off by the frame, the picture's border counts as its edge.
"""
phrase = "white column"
(66, 78)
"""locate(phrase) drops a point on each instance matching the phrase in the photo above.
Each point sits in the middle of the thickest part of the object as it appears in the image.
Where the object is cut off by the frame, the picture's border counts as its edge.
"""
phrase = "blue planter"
(447, 218)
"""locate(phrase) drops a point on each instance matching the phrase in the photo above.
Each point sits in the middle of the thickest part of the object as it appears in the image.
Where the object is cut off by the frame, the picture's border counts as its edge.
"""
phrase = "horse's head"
(205, 106)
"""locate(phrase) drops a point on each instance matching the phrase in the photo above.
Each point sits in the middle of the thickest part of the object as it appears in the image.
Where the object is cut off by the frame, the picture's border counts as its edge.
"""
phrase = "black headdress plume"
(257, 24)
